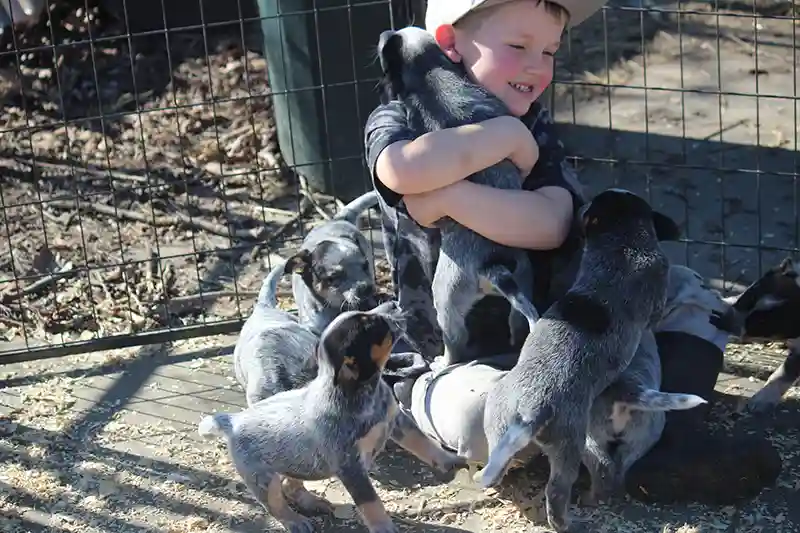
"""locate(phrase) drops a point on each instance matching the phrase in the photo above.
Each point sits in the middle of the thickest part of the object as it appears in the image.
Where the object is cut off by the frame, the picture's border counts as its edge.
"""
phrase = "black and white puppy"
(581, 345)
(769, 309)
(437, 95)
(335, 426)
(333, 271)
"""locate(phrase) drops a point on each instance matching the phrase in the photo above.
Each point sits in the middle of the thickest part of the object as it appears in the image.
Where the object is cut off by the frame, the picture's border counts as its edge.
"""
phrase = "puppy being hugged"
(274, 352)
(334, 426)
(438, 95)
(769, 309)
(581, 345)
(627, 420)
(333, 272)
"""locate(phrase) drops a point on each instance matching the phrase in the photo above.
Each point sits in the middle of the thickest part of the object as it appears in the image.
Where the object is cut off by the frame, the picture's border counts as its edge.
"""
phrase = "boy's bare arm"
(441, 158)
(535, 220)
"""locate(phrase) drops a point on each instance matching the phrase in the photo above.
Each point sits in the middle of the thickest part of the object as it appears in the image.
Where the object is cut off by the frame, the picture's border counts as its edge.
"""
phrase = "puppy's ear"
(299, 263)
(392, 67)
(348, 372)
(380, 352)
(786, 266)
(666, 228)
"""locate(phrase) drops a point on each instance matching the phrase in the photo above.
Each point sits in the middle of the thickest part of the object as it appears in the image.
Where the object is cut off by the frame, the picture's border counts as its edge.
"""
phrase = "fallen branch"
(181, 305)
(305, 207)
(62, 272)
(178, 219)
(71, 168)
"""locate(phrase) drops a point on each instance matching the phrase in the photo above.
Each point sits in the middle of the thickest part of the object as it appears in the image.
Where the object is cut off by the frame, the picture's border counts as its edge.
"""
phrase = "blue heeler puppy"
(275, 350)
(333, 270)
(438, 96)
(333, 427)
(581, 345)
(627, 420)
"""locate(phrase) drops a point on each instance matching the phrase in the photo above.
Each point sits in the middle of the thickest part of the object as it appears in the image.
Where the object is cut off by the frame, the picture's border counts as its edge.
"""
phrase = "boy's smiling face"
(508, 49)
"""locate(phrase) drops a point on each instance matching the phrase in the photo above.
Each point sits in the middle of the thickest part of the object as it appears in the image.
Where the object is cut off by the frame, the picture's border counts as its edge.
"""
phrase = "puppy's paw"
(385, 527)
(450, 463)
(764, 400)
(302, 525)
(560, 524)
(729, 320)
(309, 503)
(571, 524)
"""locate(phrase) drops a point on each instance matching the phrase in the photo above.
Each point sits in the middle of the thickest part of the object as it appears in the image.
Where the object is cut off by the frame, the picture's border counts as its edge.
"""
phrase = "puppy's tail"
(506, 284)
(215, 425)
(518, 435)
(654, 400)
(268, 295)
(351, 211)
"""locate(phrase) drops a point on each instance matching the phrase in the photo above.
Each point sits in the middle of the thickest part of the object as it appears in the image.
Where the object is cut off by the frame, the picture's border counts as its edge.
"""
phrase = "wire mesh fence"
(156, 157)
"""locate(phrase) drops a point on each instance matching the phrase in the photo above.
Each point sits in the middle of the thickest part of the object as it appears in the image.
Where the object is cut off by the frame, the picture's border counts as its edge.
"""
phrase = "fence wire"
(144, 192)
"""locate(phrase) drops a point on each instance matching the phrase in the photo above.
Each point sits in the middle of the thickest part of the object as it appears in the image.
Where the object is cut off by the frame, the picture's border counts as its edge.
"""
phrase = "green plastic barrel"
(323, 73)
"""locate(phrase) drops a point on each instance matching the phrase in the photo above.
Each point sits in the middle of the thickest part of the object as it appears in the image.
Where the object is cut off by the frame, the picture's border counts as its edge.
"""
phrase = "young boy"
(507, 46)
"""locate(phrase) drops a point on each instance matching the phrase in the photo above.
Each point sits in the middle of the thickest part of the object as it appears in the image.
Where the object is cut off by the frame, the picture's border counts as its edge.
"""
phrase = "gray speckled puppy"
(581, 345)
(274, 351)
(626, 421)
(334, 426)
(333, 271)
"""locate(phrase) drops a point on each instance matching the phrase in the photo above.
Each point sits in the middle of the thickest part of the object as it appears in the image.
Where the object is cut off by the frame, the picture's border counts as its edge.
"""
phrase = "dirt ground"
(107, 441)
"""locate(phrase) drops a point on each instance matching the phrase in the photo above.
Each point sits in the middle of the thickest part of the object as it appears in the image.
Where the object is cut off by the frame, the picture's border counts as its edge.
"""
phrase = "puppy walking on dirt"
(334, 426)
(438, 96)
(333, 271)
(581, 345)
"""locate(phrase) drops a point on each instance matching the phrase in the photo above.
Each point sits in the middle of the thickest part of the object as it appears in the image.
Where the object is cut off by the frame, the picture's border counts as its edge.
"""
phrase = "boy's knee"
(690, 302)
(691, 349)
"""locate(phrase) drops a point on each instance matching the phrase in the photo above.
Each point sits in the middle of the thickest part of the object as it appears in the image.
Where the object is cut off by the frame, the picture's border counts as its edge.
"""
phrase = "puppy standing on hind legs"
(438, 95)
(581, 345)
(627, 420)
(334, 426)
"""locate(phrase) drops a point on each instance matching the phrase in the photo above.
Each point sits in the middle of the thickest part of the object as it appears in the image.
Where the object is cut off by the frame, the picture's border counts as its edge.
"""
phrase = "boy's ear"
(445, 36)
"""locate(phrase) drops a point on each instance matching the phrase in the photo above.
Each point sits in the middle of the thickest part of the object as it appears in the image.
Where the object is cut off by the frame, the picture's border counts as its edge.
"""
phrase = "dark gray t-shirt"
(412, 250)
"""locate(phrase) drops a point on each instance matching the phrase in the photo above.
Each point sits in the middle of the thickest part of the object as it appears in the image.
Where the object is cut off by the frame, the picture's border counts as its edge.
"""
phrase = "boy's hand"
(525, 152)
(425, 208)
